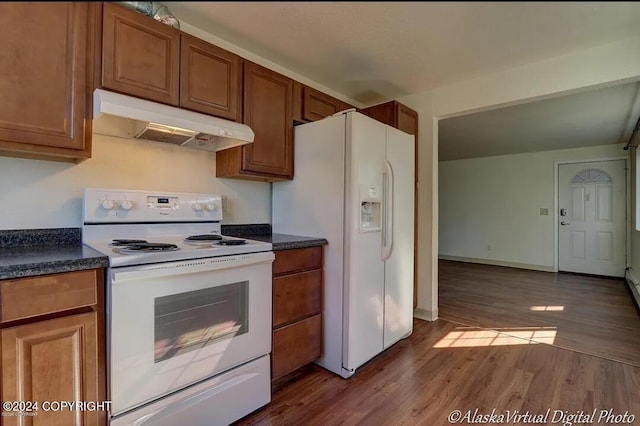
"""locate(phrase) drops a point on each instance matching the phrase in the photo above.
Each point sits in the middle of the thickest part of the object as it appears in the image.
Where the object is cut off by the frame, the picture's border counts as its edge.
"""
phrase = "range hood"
(162, 123)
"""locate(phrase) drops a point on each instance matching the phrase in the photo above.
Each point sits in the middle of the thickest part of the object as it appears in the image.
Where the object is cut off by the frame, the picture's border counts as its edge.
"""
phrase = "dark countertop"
(262, 232)
(23, 254)
(288, 242)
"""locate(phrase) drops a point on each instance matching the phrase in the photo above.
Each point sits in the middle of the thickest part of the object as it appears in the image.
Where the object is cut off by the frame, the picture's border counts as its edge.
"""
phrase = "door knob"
(565, 223)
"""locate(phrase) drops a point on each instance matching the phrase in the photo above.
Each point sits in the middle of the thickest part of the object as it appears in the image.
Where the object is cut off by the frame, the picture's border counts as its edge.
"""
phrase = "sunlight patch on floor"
(547, 308)
(462, 338)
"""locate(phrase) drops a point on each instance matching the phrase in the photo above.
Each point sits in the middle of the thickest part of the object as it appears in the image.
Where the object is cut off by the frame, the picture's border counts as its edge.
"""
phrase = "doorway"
(592, 217)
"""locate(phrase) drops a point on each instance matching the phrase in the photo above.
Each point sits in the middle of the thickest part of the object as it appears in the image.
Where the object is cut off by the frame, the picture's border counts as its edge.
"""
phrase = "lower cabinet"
(53, 360)
(297, 310)
(296, 345)
(52, 347)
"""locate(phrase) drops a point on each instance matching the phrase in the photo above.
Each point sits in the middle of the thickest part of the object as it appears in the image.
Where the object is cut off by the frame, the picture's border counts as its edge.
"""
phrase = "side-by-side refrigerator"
(354, 186)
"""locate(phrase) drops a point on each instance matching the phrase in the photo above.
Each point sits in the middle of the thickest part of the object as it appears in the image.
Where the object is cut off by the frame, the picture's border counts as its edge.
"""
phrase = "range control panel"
(129, 206)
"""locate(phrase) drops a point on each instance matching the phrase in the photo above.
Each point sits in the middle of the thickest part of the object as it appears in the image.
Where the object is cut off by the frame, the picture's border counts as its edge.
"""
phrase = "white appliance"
(115, 114)
(188, 309)
(354, 185)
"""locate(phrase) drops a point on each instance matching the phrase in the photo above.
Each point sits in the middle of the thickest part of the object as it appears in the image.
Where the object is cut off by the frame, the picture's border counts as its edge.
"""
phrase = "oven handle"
(189, 266)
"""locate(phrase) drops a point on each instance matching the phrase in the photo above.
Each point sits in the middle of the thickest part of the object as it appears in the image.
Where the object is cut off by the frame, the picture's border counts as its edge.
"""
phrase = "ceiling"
(596, 117)
(372, 52)
(376, 51)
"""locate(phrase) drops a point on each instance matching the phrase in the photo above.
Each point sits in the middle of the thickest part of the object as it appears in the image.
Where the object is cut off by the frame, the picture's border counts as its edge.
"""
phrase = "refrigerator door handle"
(387, 247)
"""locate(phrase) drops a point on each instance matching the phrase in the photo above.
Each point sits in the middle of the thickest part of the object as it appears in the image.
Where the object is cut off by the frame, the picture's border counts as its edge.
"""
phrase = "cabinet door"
(140, 56)
(296, 297)
(268, 110)
(407, 120)
(209, 79)
(296, 345)
(317, 105)
(45, 69)
(53, 360)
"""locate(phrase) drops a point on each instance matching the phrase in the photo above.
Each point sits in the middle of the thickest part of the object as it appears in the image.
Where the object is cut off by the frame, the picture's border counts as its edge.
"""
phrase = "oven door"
(176, 323)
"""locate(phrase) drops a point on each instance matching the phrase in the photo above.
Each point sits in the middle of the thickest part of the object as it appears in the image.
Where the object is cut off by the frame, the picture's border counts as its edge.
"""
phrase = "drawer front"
(29, 297)
(296, 345)
(297, 260)
(296, 297)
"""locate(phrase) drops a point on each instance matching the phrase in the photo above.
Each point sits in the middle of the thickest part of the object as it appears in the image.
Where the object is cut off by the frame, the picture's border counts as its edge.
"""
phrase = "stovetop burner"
(231, 242)
(146, 247)
(127, 242)
(204, 237)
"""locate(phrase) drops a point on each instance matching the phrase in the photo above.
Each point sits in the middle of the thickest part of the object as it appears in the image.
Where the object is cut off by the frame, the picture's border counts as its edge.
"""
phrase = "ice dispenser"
(370, 208)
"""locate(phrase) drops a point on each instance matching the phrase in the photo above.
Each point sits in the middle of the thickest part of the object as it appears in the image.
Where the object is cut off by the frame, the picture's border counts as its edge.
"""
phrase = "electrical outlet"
(544, 212)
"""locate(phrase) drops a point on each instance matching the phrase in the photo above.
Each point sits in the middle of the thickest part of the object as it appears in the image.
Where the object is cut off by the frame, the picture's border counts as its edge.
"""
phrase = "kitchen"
(50, 194)
(60, 200)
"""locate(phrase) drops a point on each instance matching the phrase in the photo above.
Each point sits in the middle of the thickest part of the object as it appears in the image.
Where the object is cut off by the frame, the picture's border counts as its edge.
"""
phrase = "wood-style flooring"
(593, 315)
(444, 367)
(575, 354)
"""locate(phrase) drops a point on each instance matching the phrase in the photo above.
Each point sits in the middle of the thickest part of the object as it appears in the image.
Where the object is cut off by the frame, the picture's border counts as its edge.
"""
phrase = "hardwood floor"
(520, 342)
(444, 367)
(593, 315)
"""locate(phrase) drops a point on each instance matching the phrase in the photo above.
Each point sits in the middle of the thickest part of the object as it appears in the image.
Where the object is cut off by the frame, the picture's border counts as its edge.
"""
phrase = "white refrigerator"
(354, 186)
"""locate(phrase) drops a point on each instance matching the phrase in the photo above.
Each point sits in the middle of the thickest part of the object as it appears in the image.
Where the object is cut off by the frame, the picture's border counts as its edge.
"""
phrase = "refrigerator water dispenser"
(370, 208)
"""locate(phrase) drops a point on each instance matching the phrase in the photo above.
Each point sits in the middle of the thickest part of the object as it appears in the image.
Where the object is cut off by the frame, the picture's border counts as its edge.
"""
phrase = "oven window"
(188, 321)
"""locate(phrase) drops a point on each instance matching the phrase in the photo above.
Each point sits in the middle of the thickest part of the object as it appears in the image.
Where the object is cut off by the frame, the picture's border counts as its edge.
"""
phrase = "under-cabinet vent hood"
(152, 121)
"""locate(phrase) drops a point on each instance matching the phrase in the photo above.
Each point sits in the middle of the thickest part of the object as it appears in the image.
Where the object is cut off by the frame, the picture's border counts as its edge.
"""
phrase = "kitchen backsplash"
(47, 194)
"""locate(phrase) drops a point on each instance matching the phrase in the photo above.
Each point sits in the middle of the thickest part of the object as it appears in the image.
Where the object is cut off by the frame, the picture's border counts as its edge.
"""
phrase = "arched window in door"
(591, 176)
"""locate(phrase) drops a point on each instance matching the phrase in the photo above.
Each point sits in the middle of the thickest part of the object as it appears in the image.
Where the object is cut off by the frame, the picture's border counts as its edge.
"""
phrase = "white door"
(592, 213)
(398, 269)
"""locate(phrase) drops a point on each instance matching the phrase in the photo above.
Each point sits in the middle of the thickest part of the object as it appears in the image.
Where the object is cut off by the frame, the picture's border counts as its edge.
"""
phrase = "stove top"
(143, 227)
(167, 248)
(141, 246)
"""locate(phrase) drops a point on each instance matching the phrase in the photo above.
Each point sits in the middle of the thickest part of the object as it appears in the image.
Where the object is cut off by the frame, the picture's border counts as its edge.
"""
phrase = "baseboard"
(497, 263)
(425, 314)
(631, 282)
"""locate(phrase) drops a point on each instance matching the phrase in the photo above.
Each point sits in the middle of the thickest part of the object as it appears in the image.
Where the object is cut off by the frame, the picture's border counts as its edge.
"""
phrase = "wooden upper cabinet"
(312, 105)
(140, 56)
(46, 69)
(268, 110)
(407, 120)
(395, 115)
(210, 79)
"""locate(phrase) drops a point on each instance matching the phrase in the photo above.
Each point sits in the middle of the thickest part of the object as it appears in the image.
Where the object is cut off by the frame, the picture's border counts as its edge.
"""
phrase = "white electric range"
(188, 309)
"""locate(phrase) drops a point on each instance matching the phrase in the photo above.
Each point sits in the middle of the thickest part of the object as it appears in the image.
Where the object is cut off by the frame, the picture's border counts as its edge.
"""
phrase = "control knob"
(196, 206)
(108, 204)
(126, 205)
(211, 206)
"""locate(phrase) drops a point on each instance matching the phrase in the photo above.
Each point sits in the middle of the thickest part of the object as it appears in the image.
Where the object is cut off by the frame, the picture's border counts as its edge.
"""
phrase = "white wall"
(581, 70)
(47, 194)
(496, 201)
